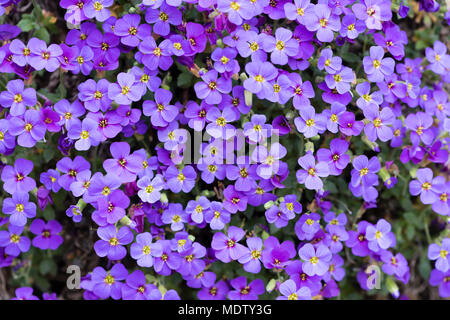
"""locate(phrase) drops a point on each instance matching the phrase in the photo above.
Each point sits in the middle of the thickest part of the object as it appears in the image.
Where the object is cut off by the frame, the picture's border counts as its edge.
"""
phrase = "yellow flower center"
(125, 90)
(364, 171)
(310, 122)
(224, 60)
(18, 98)
(19, 207)
(323, 22)
(98, 6)
(376, 64)
(314, 260)
(235, 6)
(84, 134)
(221, 121)
(109, 280)
(280, 45)
(114, 241)
(259, 78)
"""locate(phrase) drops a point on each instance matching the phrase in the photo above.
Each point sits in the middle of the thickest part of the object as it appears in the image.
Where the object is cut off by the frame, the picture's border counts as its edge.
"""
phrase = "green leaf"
(185, 79)
(49, 213)
(27, 24)
(47, 266)
(424, 266)
(43, 34)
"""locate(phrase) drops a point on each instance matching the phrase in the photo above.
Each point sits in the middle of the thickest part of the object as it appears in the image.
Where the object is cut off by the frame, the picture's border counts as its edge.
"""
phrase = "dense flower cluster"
(288, 121)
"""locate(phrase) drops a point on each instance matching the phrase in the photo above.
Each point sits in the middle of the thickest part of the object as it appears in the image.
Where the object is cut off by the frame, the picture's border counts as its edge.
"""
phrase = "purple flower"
(297, 10)
(136, 288)
(195, 33)
(341, 80)
(425, 185)
(438, 278)
(175, 216)
(168, 260)
(112, 241)
(234, 200)
(155, 56)
(438, 58)
(351, 28)
(29, 130)
(43, 57)
(328, 62)
(97, 9)
(94, 95)
(244, 291)
(162, 18)
(46, 234)
(19, 208)
(70, 168)
(125, 91)
(160, 110)
(13, 242)
(260, 73)
(336, 156)
(85, 133)
(16, 178)
(377, 67)
(212, 87)
(289, 291)
(7, 141)
(224, 60)
(217, 216)
(316, 261)
(236, 11)
(123, 165)
(107, 284)
(144, 250)
(219, 126)
(149, 190)
(17, 98)
(419, 125)
(178, 180)
(227, 248)
(357, 240)
(373, 12)
(394, 265)
(252, 258)
(311, 173)
(269, 159)
(129, 30)
(309, 123)
(24, 293)
(282, 46)
(276, 255)
(379, 236)
(365, 171)
(323, 22)
(378, 127)
(111, 208)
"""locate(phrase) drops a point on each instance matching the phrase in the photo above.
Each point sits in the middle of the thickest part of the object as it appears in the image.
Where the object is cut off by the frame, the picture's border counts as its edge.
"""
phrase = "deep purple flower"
(160, 110)
(244, 291)
(16, 178)
(212, 87)
(46, 234)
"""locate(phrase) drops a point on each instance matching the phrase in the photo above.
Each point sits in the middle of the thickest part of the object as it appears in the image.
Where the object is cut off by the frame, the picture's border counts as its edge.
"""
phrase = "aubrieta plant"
(225, 149)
